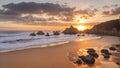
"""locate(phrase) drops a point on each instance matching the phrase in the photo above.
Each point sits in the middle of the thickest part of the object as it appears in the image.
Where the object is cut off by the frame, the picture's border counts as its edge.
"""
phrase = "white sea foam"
(23, 40)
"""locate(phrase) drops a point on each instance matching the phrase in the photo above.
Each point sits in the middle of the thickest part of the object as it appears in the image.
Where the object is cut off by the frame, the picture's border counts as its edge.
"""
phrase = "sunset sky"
(55, 14)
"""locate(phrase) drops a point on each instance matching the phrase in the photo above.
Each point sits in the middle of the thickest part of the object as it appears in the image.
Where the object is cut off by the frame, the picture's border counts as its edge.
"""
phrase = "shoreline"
(36, 46)
(50, 57)
(48, 45)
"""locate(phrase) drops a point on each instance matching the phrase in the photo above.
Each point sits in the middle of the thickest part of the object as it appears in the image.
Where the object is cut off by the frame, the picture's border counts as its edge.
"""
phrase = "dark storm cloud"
(8, 12)
(37, 8)
(112, 12)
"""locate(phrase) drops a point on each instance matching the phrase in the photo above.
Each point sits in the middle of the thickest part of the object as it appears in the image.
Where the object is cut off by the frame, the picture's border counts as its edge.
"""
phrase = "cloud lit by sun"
(79, 20)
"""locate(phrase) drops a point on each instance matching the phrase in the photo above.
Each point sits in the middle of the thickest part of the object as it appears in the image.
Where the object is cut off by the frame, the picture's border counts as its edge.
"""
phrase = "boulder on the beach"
(71, 30)
(95, 55)
(40, 33)
(117, 45)
(47, 34)
(104, 51)
(32, 34)
(90, 50)
(118, 63)
(78, 62)
(106, 56)
(88, 59)
(112, 48)
(107, 53)
(56, 33)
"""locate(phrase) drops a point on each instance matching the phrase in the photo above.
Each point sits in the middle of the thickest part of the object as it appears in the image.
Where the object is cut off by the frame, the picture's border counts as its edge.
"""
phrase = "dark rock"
(56, 33)
(95, 55)
(107, 53)
(104, 51)
(78, 35)
(81, 57)
(47, 34)
(40, 33)
(117, 45)
(112, 48)
(117, 63)
(78, 62)
(71, 30)
(90, 50)
(88, 59)
(32, 34)
(106, 56)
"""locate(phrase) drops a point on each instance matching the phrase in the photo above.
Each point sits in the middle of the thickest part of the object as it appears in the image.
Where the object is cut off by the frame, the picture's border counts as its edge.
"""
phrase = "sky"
(55, 14)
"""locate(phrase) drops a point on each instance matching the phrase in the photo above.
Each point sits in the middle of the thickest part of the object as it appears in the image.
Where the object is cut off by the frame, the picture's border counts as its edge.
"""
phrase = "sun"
(81, 28)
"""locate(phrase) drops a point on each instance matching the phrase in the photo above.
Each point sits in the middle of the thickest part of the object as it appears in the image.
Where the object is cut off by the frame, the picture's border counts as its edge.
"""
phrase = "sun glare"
(81, 28)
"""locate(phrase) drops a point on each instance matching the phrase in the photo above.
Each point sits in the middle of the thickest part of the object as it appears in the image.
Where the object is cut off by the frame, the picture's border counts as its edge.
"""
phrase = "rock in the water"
(32, 34)
(112, 48)
(70, 30)
(56, 33)
(40, 33)
(47, 34)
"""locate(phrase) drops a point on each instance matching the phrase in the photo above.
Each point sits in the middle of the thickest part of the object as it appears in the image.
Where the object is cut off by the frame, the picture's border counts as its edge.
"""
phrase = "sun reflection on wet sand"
(99, 62)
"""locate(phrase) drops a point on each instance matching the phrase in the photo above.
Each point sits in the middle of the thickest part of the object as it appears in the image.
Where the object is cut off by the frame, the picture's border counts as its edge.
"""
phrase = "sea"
(17, 40)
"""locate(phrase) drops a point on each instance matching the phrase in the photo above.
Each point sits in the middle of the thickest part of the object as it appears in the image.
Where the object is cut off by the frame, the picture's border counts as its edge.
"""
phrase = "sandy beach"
(50, 57)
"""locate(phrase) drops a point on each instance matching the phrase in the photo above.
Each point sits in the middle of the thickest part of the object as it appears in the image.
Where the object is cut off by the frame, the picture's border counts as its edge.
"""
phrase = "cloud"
(114, 5)
(86, 13)
(38, 8)
(43, 12)
(106, 6)
(112, 12)
(8, 12)
(110, 6)
(115, 11)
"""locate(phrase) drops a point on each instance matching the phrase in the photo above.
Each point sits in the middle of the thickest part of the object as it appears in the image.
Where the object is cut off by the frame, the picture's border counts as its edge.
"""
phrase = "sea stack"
(40, 33)
(32, 34)
(71, 30)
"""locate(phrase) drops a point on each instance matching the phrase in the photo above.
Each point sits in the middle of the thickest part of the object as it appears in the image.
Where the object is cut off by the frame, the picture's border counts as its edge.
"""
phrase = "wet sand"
(50, 57)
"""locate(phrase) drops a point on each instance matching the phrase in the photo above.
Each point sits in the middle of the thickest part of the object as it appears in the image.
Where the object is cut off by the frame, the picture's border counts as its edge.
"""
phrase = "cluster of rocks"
(56, 32)
(105, 53)
(38, 33)
(91, 56)
(42, 33)
(88, 59)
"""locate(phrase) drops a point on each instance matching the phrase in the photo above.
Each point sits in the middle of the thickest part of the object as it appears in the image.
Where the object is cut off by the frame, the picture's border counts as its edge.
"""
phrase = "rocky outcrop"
(32, 34)
(40, 33)
(47, 34)
(71, 30)
(56, 33)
